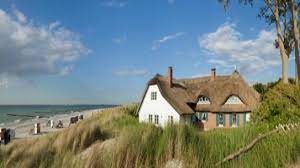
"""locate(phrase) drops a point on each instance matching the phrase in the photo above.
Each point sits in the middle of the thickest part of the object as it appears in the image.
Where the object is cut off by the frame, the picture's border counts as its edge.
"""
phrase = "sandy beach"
(22, 128)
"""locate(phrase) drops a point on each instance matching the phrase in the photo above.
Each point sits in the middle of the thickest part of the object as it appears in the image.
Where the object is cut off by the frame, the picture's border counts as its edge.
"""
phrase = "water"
(40, 110)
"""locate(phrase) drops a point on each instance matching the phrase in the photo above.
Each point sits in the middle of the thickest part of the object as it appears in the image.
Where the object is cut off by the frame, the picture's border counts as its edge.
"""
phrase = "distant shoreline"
(22, 128)
(20, 113)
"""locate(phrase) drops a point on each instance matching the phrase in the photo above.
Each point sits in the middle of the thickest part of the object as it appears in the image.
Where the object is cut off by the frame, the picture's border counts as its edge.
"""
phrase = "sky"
(105, 51)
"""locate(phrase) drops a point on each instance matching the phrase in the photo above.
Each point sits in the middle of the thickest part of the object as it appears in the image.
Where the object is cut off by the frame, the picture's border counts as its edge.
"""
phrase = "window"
(220, 117)
(202, 116)
(234, 119)
(246, 118)
(170, 119)
(203, 100)
(150, 118)
(153, 95)
(156, 119)
(234, 100)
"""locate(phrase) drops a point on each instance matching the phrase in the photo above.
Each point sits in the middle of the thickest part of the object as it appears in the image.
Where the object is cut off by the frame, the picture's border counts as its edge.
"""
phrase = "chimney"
(170, 76)
(213, 74)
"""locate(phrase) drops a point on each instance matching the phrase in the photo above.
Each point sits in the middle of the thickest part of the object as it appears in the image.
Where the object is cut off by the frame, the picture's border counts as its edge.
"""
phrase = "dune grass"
(115, 138)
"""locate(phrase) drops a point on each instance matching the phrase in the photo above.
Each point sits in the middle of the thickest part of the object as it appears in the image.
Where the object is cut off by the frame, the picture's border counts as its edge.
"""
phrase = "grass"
(115, 138)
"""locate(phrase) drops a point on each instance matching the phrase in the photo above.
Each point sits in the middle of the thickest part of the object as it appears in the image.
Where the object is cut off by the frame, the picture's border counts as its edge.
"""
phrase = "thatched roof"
(177, 95)
(185, 93)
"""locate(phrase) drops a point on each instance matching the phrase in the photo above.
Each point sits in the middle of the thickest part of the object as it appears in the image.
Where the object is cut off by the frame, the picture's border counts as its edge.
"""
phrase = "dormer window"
(234, 100)
(203, 100)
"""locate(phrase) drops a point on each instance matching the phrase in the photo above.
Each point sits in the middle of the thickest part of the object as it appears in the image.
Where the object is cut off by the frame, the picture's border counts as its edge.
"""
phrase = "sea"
(17, 113)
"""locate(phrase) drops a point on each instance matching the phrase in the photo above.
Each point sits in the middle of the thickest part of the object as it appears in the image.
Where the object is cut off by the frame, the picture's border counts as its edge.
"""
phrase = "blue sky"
(104, 51)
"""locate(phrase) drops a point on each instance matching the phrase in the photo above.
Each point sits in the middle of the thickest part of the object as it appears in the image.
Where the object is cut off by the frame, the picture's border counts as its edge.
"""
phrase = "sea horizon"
(16, 113)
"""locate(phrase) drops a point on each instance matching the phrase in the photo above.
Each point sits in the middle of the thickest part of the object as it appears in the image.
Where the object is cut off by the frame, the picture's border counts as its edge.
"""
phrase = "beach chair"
(2, 135)
(37, 128)
(52, 123)
(48, 124)
(59, 124)
(7, 136)
(81, 117)
(73, 120)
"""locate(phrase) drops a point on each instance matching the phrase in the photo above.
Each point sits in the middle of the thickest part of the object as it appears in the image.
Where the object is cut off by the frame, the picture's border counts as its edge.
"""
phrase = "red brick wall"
(211, 122)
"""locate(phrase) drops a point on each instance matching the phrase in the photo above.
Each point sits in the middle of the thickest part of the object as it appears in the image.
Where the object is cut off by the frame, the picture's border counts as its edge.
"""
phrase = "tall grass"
(115, 138)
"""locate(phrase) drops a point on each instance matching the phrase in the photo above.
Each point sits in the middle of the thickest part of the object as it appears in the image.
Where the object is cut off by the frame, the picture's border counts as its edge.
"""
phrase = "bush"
(280, 105)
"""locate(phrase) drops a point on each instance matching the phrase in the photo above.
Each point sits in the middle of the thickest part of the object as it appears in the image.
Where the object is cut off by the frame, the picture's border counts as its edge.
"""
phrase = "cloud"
(66, 70)
(171, 1)
(19, 15)
(28, 49)
(158, 43)
(4, 83)
(114, 3)
(227, 48)
(131, 72)
(119, 40)
(7, 81)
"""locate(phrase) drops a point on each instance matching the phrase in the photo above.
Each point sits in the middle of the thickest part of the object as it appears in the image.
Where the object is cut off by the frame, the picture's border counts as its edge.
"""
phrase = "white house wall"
(159, 107)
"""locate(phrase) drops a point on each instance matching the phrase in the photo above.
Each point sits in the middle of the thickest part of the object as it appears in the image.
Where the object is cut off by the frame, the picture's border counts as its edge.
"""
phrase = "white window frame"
(224, 119)
(203, 100)
(233, 100)
(202, 116)
(234, 124)
(248, 117)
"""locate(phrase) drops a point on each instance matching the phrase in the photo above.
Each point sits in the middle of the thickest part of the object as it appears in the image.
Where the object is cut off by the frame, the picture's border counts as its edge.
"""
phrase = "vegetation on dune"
(115, 138)
(280, 105)
(262, 89)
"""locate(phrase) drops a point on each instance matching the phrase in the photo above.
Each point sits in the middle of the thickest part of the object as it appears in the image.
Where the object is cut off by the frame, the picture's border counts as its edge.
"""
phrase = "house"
(210, 102)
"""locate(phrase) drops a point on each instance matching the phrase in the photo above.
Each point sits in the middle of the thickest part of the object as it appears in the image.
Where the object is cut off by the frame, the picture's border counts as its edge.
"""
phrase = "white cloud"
(28, 49)
(158, 43)
(66, 70)
(131, 72)
(4, 83)
(54, 25)
(114, 3)
(227, 48)
(19, 15)
(119, 40)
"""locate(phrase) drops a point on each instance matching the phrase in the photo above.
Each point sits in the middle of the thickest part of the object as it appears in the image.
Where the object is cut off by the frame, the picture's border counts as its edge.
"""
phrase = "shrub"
(280, 105)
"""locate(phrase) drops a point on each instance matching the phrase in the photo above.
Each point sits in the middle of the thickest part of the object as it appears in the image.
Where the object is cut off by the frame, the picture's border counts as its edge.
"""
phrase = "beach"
(22, 128)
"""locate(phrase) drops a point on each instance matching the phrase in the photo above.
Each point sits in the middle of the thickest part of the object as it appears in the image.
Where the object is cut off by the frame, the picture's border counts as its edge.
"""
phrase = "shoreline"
(22, 128)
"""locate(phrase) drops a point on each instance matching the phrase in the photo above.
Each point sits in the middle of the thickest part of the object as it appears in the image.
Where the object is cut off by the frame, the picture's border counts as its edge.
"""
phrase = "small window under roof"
(203, 100)
(233, 100)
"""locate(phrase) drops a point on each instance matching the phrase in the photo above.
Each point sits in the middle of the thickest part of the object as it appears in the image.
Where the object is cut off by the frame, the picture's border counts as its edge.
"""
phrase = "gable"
(157, 104)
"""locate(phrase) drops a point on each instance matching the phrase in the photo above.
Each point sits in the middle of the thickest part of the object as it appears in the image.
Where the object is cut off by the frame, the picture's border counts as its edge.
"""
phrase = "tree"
(276, 12)
(260, 88)
(294, 7)
(280, 105)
